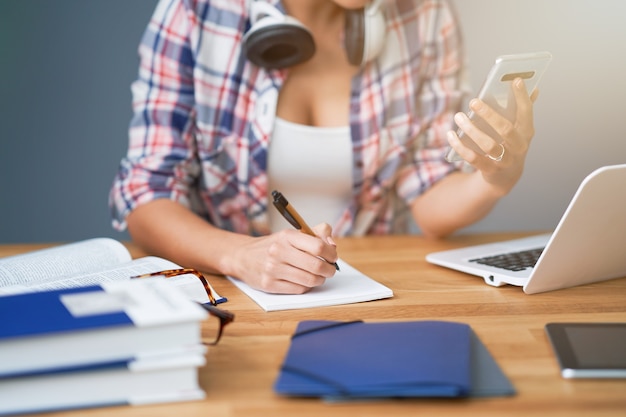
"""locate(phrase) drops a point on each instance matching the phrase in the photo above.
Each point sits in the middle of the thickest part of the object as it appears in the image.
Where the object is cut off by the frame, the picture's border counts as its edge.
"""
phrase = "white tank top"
(312, 167)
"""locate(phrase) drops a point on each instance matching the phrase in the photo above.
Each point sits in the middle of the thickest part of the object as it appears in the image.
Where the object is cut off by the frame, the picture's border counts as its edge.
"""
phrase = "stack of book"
(119, 342)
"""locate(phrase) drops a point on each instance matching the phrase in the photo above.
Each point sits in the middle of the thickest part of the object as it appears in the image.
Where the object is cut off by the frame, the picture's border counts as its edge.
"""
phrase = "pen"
(291, 215)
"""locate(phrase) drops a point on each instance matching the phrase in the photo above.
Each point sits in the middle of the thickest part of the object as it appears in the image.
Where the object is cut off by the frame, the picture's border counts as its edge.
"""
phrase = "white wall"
(580, 114)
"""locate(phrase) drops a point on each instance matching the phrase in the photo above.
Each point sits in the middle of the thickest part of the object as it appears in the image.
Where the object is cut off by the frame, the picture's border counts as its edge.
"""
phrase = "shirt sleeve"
(160, 161)
(442, 95)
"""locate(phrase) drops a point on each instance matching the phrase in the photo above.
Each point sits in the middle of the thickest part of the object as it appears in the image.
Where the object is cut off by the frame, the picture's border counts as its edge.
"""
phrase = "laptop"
(588, 244)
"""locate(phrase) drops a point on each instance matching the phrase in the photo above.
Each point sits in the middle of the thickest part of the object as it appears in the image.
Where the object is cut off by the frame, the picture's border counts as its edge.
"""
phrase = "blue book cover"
(104, 323)
(45, 313)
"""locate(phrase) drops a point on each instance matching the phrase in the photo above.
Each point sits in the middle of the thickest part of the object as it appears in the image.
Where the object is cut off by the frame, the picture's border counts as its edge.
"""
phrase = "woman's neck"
(315, 14)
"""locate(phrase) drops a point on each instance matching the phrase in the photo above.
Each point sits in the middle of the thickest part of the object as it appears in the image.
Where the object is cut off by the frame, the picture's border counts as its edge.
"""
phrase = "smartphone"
(496, 91)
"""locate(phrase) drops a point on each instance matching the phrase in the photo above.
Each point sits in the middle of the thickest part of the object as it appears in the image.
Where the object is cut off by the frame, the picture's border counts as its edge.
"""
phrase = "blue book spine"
(118, 363)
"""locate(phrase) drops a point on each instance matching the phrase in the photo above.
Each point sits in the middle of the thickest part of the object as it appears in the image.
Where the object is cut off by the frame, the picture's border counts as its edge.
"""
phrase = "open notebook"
(588, 245)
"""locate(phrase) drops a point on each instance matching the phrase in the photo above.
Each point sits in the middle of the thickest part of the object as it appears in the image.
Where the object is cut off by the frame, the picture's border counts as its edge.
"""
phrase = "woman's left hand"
(502, 162)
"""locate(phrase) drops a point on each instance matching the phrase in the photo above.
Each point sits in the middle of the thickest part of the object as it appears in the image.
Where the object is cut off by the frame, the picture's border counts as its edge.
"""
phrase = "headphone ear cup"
(354, 36)
(365, 32)
(276, 41)
(279, 47)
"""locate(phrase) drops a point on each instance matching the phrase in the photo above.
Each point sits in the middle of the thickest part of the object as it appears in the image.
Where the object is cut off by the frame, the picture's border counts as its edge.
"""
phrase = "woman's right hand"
(287, 262)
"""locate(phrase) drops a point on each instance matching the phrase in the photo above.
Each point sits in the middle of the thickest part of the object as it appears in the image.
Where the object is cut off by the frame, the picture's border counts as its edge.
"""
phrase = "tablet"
(589, 350)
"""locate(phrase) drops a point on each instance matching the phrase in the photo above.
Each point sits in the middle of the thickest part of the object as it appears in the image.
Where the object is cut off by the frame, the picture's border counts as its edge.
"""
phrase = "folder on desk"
(347, 360)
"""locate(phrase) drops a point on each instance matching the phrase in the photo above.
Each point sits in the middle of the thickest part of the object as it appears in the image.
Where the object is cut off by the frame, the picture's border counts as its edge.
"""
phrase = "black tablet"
(589, 350)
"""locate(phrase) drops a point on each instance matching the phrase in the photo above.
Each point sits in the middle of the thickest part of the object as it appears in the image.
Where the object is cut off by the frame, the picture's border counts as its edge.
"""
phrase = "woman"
(357, 146)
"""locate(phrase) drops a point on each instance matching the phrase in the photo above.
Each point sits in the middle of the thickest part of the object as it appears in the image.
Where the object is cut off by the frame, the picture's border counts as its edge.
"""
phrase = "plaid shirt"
(203, 117)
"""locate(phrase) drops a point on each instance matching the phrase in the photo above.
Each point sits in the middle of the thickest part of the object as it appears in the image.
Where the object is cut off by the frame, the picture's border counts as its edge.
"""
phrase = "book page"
(189, 284)
(58, 261)
(349, 285)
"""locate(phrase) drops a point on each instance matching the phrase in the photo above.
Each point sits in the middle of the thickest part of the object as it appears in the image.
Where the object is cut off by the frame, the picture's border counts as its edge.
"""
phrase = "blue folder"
(346, 360)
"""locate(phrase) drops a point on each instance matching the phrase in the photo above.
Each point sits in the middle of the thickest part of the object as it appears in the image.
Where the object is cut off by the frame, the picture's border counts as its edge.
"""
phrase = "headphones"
(278, 41)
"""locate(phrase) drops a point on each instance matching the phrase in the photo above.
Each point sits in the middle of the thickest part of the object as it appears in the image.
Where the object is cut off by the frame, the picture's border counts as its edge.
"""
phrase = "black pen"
(292, 216)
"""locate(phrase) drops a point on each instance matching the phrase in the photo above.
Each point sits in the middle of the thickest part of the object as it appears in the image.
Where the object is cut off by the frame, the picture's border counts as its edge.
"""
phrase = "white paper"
(70, 259)
(347, 286)
(88, 262)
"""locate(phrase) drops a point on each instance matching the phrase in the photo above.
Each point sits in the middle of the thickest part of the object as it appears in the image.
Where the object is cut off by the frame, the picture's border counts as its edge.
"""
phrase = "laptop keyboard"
(514, 261)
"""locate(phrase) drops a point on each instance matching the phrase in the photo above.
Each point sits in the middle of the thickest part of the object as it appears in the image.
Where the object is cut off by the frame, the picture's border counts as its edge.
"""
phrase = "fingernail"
(331, 241)
(476, 105)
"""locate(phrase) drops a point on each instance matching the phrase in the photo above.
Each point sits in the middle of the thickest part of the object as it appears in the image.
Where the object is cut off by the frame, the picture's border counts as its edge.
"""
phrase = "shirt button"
(266, 110)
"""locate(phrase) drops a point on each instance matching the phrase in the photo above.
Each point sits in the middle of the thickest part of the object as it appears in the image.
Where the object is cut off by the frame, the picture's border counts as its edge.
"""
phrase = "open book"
(87, 262)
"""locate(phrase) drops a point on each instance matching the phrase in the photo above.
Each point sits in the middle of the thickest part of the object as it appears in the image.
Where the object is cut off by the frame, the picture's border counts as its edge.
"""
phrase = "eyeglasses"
(169, 273)
(218, 318)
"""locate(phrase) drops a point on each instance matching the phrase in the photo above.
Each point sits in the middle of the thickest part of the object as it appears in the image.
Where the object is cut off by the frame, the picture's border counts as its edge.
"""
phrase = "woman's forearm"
(168, 229)
(455, 202)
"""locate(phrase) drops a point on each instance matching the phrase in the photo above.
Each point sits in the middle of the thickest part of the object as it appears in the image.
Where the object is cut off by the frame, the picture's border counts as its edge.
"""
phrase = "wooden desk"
(241, 370)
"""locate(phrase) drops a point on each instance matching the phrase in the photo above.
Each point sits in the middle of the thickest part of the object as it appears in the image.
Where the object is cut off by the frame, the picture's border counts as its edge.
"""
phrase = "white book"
(113, 322)
(153, 380)
(347, 286)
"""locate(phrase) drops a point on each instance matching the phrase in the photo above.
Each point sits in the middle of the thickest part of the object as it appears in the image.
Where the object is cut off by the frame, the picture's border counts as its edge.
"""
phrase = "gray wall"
(65, 73)
(66, 67)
